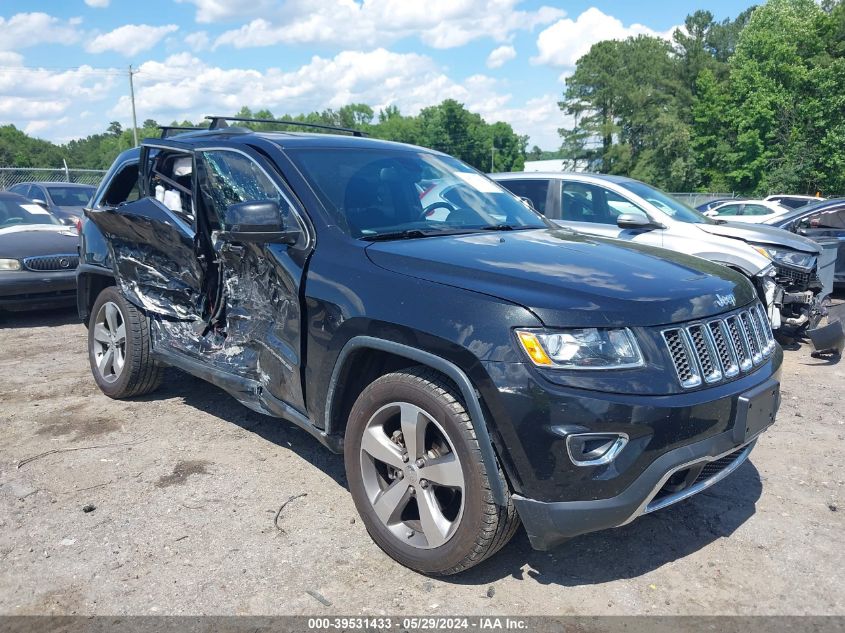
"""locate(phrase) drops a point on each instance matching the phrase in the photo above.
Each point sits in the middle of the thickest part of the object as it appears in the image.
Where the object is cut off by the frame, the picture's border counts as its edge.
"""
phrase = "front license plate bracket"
(756, 410)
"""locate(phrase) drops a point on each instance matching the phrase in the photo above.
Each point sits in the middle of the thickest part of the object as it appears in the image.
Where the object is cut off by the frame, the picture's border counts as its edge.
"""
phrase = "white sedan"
(747, 210)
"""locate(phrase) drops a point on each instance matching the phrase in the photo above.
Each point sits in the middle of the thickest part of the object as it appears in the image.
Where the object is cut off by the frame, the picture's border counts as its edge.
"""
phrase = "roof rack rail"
(219, 122)
(169, 130)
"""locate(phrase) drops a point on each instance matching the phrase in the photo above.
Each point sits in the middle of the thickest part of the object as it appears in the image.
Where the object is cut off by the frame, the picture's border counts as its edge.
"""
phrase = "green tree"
(786, 81)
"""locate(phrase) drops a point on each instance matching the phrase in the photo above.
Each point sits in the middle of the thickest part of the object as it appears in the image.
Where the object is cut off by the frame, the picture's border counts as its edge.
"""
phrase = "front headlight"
(790, 258)
(10, 264)
(582, 348)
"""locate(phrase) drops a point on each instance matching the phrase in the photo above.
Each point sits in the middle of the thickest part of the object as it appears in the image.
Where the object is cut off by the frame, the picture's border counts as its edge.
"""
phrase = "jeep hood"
(571, 279)
(762, 234)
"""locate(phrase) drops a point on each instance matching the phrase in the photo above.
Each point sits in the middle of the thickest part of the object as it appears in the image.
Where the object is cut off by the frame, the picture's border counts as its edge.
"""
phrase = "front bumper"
(23, 289)
(676, 446)
(703, 464)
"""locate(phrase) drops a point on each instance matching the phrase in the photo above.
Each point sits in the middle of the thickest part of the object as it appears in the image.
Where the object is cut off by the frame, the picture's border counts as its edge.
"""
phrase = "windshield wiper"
(407, 234)
(508, 227)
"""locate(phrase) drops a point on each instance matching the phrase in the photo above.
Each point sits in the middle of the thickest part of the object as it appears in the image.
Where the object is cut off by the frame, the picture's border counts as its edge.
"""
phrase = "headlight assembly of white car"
(795, 259)
(581, 348)
(10, 264)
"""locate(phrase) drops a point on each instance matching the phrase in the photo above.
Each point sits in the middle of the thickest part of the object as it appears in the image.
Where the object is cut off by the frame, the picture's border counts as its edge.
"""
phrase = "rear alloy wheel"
(119, 347)
(109, 342)
(417, 478)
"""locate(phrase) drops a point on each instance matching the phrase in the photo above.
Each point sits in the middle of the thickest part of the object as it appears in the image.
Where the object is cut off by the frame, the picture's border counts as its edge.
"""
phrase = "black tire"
(139, 373)
(483, 527)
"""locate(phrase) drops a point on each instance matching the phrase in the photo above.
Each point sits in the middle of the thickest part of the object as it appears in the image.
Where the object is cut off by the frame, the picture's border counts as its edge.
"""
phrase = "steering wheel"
(440, 204)
(12, 221)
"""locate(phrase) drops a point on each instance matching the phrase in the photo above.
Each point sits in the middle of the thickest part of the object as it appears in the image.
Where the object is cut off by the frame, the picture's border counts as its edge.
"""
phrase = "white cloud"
(12, 106)
(129, 39)
(198, 41)
(222, 10)
(38, 99)
(498, 57)
(97, 4)
(566, 41)
(184, 87)
(10, 58)
(438, 23)
(30, 29)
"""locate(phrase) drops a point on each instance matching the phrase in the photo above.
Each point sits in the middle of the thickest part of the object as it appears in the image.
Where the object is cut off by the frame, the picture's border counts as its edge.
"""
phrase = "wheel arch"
(381, 355)
(90, 282)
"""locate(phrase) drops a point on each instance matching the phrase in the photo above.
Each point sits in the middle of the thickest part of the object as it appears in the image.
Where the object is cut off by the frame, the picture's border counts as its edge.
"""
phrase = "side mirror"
(527, 202)
(633, 220)
(256, 222)
(40, 203)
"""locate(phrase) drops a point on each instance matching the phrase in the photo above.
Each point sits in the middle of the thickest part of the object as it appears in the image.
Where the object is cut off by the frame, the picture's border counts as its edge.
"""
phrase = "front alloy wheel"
(417, 478)
(412, 475)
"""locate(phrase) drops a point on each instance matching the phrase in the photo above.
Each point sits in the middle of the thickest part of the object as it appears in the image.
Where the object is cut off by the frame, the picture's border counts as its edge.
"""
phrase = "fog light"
(594, 449)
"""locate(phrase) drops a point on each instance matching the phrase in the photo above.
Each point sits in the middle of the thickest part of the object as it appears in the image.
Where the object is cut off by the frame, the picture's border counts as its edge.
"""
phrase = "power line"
(80, 69)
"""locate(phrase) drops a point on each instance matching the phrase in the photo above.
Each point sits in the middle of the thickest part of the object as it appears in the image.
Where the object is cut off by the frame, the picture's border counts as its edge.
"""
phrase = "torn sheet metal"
(154, 258)
(262, 314)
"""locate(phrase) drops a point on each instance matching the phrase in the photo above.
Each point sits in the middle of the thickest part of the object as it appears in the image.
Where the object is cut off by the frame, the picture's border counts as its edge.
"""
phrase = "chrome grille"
(687, 371)
(721, 348)
(52, 262)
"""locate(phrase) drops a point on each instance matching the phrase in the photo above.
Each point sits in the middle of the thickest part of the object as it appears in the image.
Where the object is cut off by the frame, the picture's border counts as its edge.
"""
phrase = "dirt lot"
(186, 483)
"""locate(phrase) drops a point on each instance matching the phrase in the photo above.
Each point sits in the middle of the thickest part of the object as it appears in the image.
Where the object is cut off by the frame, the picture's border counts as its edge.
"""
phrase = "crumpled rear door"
(154, 257)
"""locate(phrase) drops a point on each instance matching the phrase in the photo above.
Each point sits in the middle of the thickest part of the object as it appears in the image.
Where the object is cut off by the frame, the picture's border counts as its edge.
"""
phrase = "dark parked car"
(821, 220)
(65, 200)
(475, 367)
(38, 256)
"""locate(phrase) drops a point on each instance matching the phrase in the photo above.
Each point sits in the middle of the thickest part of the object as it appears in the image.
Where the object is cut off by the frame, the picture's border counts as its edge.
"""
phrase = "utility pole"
(132, 97)
(492, 154)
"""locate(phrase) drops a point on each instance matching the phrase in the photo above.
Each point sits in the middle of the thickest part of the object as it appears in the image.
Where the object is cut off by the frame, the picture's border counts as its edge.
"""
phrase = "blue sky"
(63, 63)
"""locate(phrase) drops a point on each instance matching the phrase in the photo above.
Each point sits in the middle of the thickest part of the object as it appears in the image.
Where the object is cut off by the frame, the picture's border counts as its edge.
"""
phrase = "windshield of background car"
(666, 203)
(70, 196)
(374, 192)
(13, 214)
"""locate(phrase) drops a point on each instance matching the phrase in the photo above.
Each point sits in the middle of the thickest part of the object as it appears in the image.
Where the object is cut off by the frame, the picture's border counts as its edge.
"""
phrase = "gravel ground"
(166, 505)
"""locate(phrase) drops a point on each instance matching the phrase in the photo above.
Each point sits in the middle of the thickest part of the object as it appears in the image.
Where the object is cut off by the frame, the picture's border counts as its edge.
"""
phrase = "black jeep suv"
(475, 365)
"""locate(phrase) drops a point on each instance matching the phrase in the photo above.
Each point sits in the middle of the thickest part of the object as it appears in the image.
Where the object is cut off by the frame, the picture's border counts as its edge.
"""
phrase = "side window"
(123, 187)
(756, 209)
(230, 177)
(617, 205)
(728, 209)
(536, 191)
(578, 203)
(21, 190)
(581, 202)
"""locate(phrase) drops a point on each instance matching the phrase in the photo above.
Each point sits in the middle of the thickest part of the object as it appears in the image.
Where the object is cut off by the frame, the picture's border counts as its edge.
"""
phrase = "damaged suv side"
(475, 364)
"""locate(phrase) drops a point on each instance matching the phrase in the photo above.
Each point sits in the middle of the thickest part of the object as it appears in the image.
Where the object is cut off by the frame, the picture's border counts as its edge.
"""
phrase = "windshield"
(70, 196)
(666, 203)
(377, 192)
(13, 213)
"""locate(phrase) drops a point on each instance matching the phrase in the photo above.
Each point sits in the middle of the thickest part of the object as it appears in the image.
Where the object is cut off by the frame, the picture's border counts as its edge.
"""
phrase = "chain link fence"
(10, 176)
(695, 199)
